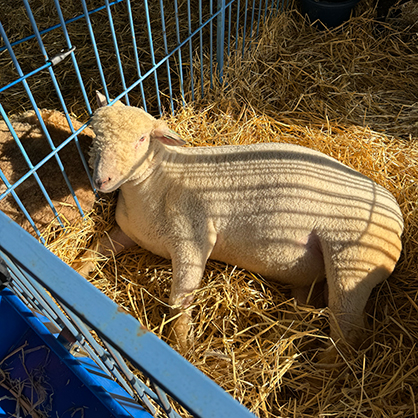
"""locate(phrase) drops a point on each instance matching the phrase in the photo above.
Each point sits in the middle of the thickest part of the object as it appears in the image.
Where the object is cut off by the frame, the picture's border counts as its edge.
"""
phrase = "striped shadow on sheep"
(289, 213)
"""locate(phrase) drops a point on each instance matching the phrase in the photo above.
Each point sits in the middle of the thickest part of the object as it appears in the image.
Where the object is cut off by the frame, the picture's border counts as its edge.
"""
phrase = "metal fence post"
(220, 38)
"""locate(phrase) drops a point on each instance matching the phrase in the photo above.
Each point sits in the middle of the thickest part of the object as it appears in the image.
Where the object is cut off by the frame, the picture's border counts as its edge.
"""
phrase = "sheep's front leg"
(187, 276)
(113, 243)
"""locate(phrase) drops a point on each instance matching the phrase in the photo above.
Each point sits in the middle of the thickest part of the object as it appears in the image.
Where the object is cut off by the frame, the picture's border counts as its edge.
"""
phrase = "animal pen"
(225, 72)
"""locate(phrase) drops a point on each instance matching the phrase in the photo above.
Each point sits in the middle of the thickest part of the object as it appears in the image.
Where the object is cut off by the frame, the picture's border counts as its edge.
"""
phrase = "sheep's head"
(123, 136)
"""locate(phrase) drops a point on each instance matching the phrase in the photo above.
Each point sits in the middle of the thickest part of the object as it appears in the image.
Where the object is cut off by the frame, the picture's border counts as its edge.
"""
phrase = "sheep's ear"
(102, 102)
(162, 133)
(101, 99)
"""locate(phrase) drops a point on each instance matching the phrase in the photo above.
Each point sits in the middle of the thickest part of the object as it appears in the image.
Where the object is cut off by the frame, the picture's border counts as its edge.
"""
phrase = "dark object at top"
(330, 13)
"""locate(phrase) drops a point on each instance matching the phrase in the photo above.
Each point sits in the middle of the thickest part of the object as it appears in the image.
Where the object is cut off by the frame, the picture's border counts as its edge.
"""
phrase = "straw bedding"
(351, 93)
(39, 402)
(363, 73)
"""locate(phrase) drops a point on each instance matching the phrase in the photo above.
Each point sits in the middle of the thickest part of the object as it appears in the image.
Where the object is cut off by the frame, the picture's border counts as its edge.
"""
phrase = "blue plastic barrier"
(42, 371)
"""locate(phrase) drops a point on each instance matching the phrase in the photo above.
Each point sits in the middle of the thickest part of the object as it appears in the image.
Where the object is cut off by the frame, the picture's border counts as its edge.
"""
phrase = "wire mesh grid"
(149, 55)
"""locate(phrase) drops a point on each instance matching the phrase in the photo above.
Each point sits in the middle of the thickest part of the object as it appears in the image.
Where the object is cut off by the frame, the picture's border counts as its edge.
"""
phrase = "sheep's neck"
(147, 165)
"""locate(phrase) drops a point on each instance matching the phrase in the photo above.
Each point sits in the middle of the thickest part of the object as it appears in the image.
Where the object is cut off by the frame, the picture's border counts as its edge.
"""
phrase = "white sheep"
(284, 211)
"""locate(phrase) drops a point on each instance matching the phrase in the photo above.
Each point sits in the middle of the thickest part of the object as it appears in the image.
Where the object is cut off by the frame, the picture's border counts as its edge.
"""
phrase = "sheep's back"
(273, 195)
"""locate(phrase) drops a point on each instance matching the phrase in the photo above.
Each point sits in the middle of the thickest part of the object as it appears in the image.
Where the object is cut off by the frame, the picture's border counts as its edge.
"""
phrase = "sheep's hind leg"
(113, 243)
(348, 291)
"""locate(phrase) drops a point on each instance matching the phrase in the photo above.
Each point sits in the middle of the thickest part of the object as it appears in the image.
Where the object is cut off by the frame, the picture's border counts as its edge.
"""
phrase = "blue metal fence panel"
(158, 76)
(167, 369)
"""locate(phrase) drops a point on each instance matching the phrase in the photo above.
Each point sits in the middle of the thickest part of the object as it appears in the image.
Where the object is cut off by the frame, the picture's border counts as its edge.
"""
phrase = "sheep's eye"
(140, 140)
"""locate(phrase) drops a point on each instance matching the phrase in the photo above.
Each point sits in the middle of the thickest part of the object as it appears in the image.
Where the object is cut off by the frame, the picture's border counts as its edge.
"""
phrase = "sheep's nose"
(102, 182)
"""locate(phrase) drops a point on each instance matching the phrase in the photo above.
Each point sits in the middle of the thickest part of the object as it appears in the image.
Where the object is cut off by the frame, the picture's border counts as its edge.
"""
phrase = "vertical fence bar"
(189, 18)
(151, 45)
(237, 27)
(96, 52)
(251, 25)
(211, 43)
(201, 49)
(176, 12)
(274, 7)
(265, 11)
(220, 39)
(229, 29)
(245, 27)
(170, 88)
(138, 67)
(115, 45)
(259, 16)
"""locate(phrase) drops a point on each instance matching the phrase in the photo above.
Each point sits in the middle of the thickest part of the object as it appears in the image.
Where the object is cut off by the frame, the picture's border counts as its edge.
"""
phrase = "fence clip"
(59, 57)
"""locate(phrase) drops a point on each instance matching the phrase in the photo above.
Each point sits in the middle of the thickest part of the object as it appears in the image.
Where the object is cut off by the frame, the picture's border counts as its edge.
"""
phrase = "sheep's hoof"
(336, 355)
(330, 358)
(180, 330)
(83, 268)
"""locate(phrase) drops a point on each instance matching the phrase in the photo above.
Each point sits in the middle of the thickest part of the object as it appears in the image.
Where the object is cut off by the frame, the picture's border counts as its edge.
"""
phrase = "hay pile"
(363, 73)
(324, 90)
